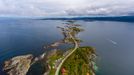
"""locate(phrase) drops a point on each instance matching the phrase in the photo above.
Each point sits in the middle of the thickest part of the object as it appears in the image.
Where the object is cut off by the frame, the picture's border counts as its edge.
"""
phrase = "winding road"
(75, 48)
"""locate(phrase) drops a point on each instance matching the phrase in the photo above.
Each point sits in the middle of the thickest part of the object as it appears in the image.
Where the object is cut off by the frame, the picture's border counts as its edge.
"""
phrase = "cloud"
(102, 10)
(65, 7)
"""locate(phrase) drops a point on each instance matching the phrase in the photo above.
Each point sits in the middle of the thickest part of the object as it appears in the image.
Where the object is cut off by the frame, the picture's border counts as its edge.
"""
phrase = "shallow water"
(114, 41)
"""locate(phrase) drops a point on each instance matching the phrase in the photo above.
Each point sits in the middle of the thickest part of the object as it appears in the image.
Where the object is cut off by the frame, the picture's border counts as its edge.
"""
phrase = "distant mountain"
(110, 18)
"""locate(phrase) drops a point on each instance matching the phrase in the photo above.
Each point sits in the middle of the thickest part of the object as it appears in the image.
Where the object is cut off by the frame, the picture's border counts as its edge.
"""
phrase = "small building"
(63, 71)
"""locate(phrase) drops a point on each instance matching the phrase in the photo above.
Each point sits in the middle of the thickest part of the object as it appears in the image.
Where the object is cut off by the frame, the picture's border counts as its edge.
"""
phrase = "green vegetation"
(52, 60)
(70, 40)
(58, 54)
(52, 72)
(75, 30)
(80, 62)
(71, 30)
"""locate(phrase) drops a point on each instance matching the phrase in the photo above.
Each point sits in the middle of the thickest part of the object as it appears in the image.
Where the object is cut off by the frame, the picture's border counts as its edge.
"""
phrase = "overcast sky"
(65, 7)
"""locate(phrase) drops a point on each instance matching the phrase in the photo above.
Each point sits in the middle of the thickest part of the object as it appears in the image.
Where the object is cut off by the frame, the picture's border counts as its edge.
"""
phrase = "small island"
(78, 60)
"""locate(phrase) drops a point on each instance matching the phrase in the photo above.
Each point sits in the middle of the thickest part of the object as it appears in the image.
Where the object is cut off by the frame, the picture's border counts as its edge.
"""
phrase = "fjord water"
(114, 41)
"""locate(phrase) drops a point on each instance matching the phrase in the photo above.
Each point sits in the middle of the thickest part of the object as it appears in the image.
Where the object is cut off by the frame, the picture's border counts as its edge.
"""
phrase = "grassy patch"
(78, 62)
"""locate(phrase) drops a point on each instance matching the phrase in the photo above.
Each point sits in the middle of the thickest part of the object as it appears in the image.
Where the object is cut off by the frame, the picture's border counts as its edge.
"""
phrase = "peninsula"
(77, 60)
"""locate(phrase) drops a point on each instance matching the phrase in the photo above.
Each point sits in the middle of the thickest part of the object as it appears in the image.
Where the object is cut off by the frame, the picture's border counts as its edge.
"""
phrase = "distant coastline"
(102, 18)
(83, 18)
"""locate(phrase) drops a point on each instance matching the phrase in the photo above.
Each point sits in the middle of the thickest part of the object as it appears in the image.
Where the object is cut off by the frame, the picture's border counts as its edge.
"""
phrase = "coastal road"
(75, 48)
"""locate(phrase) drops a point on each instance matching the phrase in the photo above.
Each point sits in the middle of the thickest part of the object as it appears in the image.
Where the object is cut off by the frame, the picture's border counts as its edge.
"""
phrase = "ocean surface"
(114, 41)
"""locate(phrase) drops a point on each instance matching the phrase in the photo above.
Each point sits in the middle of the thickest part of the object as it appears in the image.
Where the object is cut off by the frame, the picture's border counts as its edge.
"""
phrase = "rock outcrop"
(18, 65)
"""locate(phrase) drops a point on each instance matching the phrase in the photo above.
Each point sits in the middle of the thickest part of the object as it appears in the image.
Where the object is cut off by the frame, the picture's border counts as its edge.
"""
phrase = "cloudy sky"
(66, 7)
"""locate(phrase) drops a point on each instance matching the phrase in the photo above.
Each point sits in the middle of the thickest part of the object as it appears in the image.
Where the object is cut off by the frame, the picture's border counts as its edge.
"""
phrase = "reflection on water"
(113, 40)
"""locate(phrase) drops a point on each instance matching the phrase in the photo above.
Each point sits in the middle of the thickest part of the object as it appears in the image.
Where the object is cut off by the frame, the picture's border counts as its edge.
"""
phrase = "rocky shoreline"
(18, 65)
